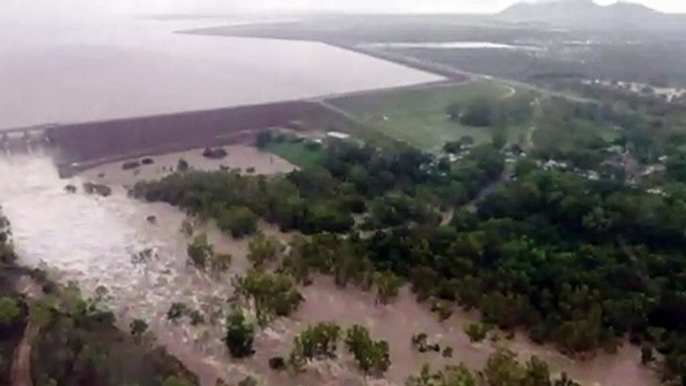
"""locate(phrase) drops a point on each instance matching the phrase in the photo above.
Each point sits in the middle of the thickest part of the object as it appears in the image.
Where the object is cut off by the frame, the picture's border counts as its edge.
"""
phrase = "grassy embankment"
(296, 152)
(418, 116)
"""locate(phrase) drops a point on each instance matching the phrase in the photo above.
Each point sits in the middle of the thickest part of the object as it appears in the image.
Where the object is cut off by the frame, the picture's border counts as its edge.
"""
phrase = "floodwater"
(239, 157)
(117, 68)
(91, 239)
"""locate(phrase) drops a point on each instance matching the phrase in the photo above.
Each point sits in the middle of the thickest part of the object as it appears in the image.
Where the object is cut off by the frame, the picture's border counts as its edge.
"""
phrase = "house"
(336, 135)
(653, 169)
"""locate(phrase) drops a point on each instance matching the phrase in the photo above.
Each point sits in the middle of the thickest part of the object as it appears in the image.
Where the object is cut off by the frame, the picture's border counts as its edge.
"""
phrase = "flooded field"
(91, 240)
(238, 157)
(53, 73)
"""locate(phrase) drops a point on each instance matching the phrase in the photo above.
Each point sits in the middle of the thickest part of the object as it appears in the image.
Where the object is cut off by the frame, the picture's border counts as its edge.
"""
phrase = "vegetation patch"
(300, 153)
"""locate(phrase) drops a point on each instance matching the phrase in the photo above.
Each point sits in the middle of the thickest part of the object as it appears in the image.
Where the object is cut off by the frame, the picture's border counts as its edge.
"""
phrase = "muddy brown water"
(238, 157)
(90, 240)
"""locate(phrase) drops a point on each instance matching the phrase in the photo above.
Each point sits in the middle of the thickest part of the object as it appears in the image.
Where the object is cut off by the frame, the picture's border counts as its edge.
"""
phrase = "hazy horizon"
(51, 9)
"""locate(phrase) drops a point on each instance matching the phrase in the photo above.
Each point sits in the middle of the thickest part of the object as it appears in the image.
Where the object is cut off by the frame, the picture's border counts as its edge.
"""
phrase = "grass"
(418, 116)
(297, 153)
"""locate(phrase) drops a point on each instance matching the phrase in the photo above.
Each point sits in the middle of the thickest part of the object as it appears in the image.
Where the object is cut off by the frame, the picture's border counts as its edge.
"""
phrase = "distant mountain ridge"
(581, 13)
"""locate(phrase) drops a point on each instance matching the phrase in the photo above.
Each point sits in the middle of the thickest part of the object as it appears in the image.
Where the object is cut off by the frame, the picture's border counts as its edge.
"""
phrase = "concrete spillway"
(84, 145)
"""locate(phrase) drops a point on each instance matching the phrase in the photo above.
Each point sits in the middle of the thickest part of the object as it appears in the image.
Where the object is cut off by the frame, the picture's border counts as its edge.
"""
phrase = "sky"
(81, 8)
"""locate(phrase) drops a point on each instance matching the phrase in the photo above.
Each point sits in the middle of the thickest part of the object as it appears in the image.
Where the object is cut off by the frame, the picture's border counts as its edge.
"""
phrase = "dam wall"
(85, 145)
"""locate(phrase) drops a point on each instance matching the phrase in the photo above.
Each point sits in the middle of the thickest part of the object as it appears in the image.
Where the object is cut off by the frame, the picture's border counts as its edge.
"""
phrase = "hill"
(585, 13)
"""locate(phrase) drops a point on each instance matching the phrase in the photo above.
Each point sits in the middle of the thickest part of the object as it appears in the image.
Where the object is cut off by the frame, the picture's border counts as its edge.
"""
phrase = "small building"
(337, 135)
(653, 169)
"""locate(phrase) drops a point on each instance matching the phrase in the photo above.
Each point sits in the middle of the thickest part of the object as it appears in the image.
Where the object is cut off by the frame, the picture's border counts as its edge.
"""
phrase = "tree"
(467, 140)
(182, 166)
(264, 138)
(453, 147)
(176, 311)
(248, 381)
(176, 381)
(387, 286)
(197, 318)
(277, 363)
(263, 249)
(647, 354)
(477, 332)
(138, 327)
(200, 251)
(186, 227)
(479, 113)
(499, 138)
(524, 166)
(317, 342)
(239, 335)
(221, 263)
(9, 311)
(454, 111)
(537, 372)
(238, 220)
(449, 376)
(371, 356)
(273, 294)
(502, 369)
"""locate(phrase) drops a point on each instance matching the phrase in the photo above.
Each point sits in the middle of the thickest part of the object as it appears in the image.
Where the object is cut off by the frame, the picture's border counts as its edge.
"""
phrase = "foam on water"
(83, 237)
(91, 240)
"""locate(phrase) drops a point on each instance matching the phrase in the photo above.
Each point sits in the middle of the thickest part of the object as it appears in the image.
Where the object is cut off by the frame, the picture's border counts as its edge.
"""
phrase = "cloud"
(106, 8)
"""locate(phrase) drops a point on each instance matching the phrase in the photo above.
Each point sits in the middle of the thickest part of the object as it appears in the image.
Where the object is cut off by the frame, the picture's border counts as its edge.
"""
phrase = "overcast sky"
(79, 8)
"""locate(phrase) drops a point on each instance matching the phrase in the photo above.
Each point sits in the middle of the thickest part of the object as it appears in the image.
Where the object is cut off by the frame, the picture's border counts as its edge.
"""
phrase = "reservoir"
(88, 71)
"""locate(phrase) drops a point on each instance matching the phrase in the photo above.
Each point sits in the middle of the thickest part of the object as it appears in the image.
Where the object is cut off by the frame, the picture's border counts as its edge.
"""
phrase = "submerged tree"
(239, 335)
(138, 327)
(263, 249)
(371, 356)
(200, 251)
(318, 342)
(273, 295)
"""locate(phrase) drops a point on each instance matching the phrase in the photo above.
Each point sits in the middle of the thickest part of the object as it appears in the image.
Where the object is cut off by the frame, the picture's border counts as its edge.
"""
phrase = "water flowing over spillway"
(91, 240)
(85, 238)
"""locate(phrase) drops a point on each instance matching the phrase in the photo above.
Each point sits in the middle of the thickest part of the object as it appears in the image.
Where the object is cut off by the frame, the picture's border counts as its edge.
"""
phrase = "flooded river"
(54, 72)
(91, 240)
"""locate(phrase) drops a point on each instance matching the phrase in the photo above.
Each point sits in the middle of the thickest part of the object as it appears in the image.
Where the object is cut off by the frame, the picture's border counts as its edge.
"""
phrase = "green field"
(418, 116)
(297, 153)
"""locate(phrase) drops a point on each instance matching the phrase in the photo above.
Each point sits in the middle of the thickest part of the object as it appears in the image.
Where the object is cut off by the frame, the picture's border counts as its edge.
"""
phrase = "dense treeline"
(389, 189)
(579, 132)
(577, 262)
(513, 110)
